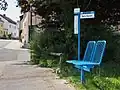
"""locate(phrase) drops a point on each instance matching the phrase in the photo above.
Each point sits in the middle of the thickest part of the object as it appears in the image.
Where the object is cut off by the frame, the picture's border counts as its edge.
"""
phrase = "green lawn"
(105, 77)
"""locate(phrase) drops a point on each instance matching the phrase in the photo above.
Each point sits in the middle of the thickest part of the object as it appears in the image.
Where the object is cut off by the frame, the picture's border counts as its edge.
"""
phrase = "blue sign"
(88, 14)
(77, 16)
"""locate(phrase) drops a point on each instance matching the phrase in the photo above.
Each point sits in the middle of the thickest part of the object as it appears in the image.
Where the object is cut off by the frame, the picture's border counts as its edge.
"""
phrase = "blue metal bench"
(96, 58)
(88, 54)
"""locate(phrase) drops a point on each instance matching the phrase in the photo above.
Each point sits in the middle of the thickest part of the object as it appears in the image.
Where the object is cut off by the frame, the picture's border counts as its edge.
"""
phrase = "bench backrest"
(99, 50)
(89, 51)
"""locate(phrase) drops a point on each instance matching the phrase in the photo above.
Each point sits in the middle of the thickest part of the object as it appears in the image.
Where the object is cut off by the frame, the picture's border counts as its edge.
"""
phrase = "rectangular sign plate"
(76, 10)
(76, 24)
(88, 14)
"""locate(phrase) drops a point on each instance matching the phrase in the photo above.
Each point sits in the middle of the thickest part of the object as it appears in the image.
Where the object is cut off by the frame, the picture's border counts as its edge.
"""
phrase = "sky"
(12, 11)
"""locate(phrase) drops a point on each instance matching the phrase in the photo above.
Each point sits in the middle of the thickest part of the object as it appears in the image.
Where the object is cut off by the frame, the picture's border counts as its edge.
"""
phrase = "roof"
(8, 19)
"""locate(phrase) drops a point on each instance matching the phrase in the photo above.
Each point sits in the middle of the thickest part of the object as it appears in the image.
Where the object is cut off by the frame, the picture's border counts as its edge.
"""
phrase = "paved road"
(16, 74)
(3, 43)
(10, 51)
(8, 54)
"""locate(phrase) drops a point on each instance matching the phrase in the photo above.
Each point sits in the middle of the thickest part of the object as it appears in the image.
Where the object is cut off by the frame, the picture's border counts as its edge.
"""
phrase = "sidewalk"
(14, 44)
(20, 76)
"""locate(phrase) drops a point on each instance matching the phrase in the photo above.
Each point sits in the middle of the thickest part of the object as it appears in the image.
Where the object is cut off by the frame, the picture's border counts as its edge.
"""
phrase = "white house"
(25, 27)
(10, 26)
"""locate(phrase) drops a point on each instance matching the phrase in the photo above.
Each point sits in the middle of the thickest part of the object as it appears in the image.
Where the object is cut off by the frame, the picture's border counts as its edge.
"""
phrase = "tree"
(3, 5)
(59, 13)
(106, 12)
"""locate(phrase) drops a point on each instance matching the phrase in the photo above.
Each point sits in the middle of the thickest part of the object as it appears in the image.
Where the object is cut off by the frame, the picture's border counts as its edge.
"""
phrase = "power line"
(88, 4)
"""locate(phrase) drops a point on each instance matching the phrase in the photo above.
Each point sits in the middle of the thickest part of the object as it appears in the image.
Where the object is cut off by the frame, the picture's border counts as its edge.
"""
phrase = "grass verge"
(105, 77)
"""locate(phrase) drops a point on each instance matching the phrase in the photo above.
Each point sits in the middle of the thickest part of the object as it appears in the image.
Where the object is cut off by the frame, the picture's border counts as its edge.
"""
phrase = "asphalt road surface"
(17, 74)
(3, 43)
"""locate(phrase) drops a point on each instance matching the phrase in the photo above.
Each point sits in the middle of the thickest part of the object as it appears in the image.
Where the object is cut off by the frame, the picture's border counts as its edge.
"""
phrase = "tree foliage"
(3, 5)
(106, 12)
(59, 14)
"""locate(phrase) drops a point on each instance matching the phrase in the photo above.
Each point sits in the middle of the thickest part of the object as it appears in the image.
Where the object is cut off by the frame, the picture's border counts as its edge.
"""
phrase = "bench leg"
(82, 76)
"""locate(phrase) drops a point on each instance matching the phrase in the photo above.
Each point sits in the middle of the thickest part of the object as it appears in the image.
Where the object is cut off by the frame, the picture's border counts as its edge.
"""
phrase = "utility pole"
(31, 15)
(30, 28)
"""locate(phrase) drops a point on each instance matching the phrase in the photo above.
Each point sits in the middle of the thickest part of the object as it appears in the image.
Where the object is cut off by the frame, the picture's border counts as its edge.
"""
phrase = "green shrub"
(105, 83)
(66, 42)
(49, 63)
(102, 32)
(43, 63)
(9, 36)
(42, 44)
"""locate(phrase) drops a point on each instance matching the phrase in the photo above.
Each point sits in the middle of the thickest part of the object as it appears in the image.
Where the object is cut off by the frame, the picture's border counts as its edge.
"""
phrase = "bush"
(105, 83)
(46, 44)
(43, 63)
(50, 63)
(43, 43)
(101, 32)
(9, 36)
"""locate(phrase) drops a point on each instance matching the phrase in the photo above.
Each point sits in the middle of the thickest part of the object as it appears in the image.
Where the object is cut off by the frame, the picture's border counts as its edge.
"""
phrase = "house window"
(10, 26)
(15, 34)
(15, 27)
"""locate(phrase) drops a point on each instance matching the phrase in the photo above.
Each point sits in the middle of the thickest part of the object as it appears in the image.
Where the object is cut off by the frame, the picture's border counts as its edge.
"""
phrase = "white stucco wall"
(5, 25)
(25, 28)
(12, 28)
(25, 23)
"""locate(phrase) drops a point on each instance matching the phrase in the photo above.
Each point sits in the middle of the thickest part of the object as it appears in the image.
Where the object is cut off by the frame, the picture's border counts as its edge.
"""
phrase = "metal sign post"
(77, 16)
(77, 27)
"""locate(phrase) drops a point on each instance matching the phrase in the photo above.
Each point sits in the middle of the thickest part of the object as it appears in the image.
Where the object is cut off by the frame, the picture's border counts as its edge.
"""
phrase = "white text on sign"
(89, 14)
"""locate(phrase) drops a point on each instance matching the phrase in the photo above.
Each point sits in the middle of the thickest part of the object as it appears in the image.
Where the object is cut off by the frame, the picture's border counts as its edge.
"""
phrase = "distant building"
(10, 26)
(25, 22)
(18, 27)
(1, 28)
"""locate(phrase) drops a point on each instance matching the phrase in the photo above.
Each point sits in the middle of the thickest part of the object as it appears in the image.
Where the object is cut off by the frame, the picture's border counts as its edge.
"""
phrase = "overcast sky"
(12, 11)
